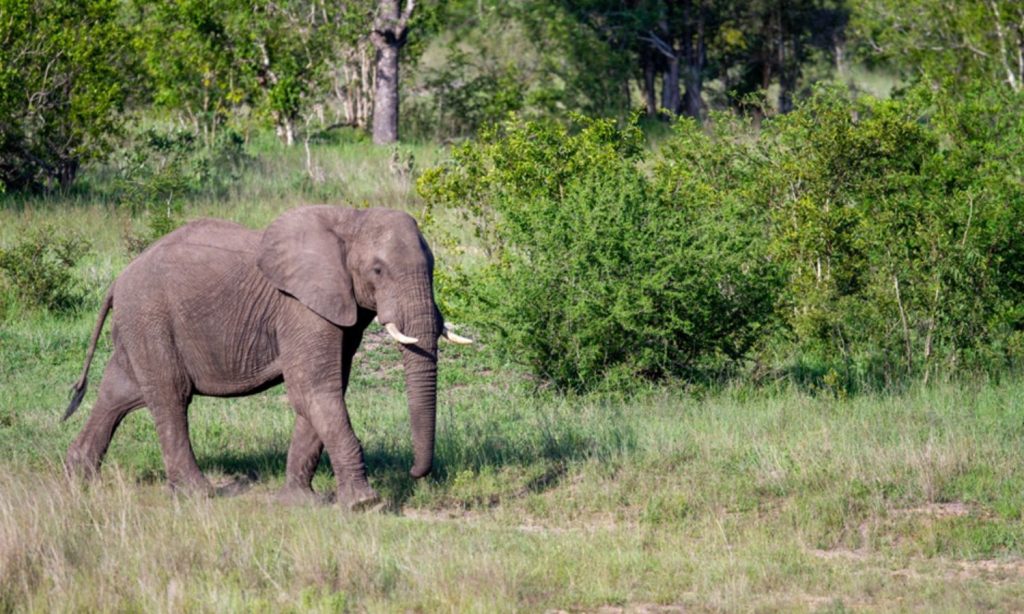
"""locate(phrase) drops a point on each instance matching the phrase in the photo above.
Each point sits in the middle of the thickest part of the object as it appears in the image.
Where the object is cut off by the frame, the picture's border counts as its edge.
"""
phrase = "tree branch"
(403, 20)
(1001, 37)
(659, 45)
(394, 26)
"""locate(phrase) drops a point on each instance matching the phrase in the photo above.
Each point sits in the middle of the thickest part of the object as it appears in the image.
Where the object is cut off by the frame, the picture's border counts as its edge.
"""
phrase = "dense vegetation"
(794, 224)
(874, 240)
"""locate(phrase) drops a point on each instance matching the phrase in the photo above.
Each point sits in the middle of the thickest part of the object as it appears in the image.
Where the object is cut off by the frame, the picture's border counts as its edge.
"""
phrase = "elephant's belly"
(236, 384)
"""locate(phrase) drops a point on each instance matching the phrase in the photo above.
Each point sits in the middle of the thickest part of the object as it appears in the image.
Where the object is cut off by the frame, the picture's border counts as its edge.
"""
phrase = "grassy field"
(731, 500)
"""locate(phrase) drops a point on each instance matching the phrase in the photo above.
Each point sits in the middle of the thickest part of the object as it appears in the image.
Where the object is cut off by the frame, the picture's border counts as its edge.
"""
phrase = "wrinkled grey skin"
(220, 310)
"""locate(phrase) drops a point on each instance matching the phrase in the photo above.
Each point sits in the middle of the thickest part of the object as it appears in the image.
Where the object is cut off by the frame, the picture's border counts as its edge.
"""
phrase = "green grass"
(737, 500)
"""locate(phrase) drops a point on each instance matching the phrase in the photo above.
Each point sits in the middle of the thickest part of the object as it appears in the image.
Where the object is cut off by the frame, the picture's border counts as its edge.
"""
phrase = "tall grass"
(776, 499)
(775, 502)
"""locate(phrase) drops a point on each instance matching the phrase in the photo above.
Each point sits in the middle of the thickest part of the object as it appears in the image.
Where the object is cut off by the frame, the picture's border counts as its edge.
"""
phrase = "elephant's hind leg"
(118, 395)
(303, 458)
(167, 391)
(170, 413)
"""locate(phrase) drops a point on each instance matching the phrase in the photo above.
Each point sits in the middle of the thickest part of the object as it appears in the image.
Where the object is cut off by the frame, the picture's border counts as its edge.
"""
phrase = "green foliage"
(220, 62)
(969, 42)
(39, 268)
(494, 58)
(901, 226)
(157, 171)
(596, 270)
(190, 52)
(64, 78)
(465, 96)
(884, 238)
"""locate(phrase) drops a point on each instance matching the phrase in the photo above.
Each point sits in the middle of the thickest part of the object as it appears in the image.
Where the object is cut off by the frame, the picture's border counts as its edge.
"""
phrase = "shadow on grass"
(540, 459)
(268, 463)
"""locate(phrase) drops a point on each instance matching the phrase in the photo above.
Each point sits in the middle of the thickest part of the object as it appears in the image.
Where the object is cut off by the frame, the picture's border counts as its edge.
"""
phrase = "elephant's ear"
(301, 254)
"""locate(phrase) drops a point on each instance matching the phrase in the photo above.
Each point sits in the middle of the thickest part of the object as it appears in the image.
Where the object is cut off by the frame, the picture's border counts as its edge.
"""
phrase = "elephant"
(217, 309)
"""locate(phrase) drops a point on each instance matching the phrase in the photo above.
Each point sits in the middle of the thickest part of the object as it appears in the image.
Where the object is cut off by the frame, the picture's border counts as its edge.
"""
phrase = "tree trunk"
(650, 76)
(695, 54)
(385, 99)
(789, 70)
(693, 104)
(839, 51)
(670, 86)
(67, 170)
(389, 35)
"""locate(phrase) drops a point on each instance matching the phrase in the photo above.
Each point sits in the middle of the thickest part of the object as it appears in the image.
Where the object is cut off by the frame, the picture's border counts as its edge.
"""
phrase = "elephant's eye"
(377, 270)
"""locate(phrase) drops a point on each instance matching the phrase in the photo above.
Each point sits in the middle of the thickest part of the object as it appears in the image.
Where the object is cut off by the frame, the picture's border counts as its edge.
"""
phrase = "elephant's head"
(336, 260)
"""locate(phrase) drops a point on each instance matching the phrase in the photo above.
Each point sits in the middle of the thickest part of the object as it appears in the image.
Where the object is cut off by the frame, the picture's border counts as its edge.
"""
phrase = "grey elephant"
(217, 309)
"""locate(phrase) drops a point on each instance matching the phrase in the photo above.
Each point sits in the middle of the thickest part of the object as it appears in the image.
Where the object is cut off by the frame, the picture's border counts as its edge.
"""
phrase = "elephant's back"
(206, 239)
(200, 246)
(200, 257)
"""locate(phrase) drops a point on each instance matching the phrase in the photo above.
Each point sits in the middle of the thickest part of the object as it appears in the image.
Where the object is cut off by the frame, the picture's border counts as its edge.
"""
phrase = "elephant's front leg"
(306, 446)
(329, 418)
(317, 399)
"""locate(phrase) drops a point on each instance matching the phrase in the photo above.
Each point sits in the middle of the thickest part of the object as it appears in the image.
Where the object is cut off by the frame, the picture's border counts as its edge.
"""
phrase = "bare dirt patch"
(636, 608)
(990, 570)
(954, 509)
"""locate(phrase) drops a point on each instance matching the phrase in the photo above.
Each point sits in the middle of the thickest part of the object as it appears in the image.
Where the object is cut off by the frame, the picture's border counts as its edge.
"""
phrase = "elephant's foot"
(301, 495)
(192, 487)
(78, 465)
(360, 498)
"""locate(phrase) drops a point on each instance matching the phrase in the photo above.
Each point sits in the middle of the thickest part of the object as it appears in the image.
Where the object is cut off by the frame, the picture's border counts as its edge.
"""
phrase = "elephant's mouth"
(446, 333)
(398, 336)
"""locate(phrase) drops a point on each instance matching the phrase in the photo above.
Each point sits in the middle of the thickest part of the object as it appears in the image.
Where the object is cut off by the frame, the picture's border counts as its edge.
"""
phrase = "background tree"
(472, 62)
(213, 62)
(771, 43)
(390, 29)
(969, 40)
(747, 47)
(65, 75)
(198, 63)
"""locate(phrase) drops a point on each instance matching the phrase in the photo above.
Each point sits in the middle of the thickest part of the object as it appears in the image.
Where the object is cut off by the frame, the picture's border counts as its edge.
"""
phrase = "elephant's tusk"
(450, 335)
(397, 334)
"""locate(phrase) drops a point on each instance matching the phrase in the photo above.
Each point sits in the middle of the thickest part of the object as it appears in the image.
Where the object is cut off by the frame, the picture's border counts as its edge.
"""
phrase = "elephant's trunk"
(421, 389)
(420, 362)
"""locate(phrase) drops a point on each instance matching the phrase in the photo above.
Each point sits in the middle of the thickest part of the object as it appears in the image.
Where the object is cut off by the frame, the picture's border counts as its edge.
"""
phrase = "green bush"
(463, 97)
(901, 224)
(596, 269)
(64, 80)
(38, 269)
(157, 170)
(847, 243)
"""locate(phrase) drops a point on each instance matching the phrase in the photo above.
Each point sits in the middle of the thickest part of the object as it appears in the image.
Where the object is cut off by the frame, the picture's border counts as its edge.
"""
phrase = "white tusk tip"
(448, 334)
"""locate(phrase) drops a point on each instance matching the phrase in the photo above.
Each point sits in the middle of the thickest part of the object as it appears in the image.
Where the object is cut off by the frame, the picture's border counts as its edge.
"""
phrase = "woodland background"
(746, 279)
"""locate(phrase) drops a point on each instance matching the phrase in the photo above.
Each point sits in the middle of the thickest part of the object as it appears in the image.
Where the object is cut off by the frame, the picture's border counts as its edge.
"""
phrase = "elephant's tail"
(78, 390)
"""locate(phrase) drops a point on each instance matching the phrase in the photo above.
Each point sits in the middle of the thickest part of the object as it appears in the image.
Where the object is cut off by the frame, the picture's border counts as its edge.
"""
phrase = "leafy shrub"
(39, 269)
(64, 79)
(902, 227)
(595, 269)
(862, 242)
(158, 170)
(464, 96)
